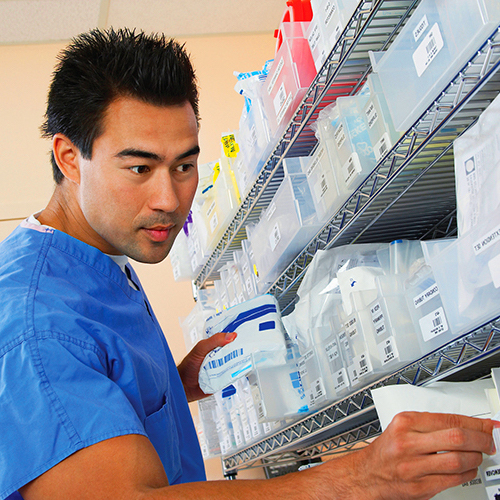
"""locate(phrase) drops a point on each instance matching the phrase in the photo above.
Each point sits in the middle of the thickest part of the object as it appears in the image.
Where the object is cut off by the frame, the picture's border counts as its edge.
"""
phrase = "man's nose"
(163, 195)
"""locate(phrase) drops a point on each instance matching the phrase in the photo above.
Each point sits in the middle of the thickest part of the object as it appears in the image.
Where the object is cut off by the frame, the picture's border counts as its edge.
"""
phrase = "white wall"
(25, 171)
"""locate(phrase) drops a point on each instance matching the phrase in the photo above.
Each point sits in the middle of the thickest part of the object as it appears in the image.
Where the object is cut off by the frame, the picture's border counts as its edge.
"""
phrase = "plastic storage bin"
(286, 226)
(277, 391)
(330, 17)
(432, 47)
(375, 112)
(289, 77)
(468, 275)
(323, 184)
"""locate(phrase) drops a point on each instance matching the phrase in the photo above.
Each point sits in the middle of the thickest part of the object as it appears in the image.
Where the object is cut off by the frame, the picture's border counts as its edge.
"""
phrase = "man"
(92, 405)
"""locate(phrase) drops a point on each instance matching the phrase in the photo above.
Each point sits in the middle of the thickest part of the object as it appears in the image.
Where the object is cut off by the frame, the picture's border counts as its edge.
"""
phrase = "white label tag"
(351, 167)
(284, 109)
(492, 473)
(314, 37)
(382, 146)
(428, 50)
(486, 241)
(275, 237)
(318, 390)
(387, 350)
(332, 351)
(329, 7)
(320, 188)
(425, 296)
(214, 222)
(275, 76)
(420, 29)
(353, 372)
(363, 363)
(279, 99)
(433, 324)
(351, 328)
(339, 135)
(340, 379)
(371, 114)
(378, 319)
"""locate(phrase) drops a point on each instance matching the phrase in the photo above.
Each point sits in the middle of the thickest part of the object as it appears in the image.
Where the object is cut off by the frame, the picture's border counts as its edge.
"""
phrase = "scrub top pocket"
(163, 434)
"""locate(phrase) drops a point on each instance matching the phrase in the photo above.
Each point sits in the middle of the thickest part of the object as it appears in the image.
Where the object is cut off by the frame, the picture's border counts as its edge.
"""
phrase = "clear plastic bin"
(277, 391)
(286, 226)
(425, 305)
(375, 112)
(330, 17)
(289, 77)
(393, 329)
(429, 51)
(323, 184)
(468, 275)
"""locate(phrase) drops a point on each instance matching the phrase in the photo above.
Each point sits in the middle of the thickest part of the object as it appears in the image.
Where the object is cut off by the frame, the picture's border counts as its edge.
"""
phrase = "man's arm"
(402, 464)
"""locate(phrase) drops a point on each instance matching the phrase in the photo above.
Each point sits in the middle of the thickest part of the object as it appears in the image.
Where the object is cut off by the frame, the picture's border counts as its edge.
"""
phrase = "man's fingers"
(203, 347)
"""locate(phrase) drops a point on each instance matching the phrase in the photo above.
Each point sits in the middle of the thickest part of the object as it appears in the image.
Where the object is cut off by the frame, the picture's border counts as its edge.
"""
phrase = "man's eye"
(140, 169)
(185, 167)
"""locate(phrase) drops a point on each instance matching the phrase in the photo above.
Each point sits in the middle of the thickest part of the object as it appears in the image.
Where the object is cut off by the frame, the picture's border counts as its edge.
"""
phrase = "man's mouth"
(158, 233)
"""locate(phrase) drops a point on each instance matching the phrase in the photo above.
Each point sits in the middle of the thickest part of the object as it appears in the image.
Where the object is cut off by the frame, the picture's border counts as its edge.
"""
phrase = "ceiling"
(42, 21)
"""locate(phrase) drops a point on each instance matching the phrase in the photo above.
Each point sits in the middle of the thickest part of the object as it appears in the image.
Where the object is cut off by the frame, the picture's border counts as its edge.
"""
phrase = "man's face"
(136, 191)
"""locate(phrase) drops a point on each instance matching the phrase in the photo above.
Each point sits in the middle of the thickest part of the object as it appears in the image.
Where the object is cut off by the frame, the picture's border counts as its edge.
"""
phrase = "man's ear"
(66, 155)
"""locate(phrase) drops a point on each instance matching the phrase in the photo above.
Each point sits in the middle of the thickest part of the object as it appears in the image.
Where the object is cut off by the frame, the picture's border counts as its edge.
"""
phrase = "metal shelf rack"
(410, 194)
(352, 422)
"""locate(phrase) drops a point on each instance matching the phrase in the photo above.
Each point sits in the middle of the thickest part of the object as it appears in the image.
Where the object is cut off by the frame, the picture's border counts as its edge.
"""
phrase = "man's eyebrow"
(191, 152)
(139, 153)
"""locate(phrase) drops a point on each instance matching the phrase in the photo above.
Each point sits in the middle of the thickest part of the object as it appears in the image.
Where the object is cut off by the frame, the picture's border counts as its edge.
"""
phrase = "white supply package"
(258, 325)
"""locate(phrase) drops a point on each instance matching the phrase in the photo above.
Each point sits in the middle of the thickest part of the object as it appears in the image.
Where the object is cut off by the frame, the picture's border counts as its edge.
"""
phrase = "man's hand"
(189, 367)
(418, 455)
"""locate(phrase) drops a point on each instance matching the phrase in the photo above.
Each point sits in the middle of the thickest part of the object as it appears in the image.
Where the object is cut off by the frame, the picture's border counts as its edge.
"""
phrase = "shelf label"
(351, 327)
(351, 168)
(332, 351)
(363, 363)
(387, 350)
(371, 114)
(382, 146)
(330, 8)
(339, 135)
(314, 37)
(425, 296)
(281, 114)
(428, 50)
(420, 29)
(318, 390)
(433, 324)
(275, 237)
(378, 319)
(275, 76)
(487, 240)
(341, 380)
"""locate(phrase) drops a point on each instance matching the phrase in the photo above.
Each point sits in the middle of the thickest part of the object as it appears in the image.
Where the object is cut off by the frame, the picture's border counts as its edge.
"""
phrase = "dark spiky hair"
(100, 66)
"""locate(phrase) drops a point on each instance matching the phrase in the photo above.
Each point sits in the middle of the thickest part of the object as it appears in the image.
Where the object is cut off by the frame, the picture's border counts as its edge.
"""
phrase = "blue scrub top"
(82, 359)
